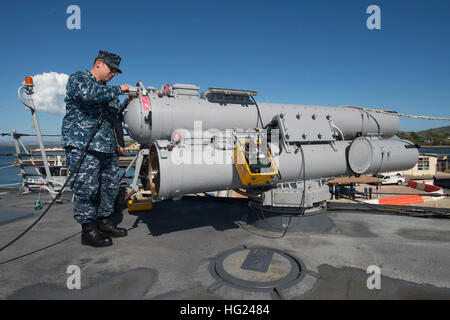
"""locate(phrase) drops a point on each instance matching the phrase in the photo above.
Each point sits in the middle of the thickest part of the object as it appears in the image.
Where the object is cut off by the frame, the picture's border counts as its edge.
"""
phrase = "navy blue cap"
(111, 59)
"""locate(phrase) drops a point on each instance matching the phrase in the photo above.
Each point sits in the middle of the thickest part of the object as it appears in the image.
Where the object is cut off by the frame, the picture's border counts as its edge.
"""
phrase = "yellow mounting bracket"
(247, 177)
(140, 204)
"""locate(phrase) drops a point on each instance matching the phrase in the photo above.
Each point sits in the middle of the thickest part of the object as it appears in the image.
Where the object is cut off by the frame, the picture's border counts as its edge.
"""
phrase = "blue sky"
(304, 52)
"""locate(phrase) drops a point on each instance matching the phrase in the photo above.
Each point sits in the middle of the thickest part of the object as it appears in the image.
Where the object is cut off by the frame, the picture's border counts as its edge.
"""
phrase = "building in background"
(443, 163)
(425, 167)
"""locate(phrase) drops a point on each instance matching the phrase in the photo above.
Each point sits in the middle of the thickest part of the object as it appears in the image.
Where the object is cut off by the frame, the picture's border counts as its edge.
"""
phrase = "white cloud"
(50, 91)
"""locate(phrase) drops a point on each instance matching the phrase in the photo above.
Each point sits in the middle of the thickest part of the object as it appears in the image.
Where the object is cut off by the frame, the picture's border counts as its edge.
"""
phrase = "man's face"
(104, 72)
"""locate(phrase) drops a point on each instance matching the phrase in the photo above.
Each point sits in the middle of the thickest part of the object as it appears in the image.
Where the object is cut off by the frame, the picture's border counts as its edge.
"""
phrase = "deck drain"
(256, 273)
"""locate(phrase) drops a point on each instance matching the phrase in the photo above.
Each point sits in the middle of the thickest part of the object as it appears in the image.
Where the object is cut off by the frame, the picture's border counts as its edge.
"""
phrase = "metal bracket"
(137, 168)
(284, 132)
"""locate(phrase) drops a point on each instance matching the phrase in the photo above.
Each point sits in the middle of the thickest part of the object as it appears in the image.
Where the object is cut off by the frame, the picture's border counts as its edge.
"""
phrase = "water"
(435, 150)
(11, 175)
(8, 175)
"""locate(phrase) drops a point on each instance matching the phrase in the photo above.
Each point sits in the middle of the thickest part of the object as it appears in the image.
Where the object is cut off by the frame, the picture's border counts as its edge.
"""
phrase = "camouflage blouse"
(86, 98)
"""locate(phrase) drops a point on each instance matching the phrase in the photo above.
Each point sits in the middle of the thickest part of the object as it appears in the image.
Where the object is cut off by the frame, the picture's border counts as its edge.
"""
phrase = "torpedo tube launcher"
(281, 154)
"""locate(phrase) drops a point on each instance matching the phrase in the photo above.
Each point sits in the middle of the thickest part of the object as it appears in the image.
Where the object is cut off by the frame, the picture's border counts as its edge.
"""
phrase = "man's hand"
(125, 87)
(121, 151)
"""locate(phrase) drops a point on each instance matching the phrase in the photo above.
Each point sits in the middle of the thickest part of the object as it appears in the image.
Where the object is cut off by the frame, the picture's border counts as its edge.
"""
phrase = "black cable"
(41, 249)
(256, 233)
(94, 130)
(302, 206)
(262, 200)
(264, 126)
(304, 178)
(401, 211)
(259, 113)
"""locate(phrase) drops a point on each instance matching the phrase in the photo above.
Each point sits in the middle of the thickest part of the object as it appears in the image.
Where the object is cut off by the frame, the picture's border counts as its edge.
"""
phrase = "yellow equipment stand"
(246, 176)
(140, 205)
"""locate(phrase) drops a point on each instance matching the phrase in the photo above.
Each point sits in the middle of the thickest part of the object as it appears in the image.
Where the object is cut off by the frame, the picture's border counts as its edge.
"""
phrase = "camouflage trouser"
(95, 185)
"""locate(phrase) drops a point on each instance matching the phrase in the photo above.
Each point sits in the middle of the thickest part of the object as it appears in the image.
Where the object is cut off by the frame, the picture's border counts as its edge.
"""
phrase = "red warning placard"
(145, 103)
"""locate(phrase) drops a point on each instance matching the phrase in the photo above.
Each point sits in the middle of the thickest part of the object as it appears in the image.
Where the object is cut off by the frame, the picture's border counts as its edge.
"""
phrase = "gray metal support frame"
(25, 187)
(137, 168)
(49, 183)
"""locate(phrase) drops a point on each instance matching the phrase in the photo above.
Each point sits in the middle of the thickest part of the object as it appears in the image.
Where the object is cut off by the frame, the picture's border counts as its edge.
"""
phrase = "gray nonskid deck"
(163, 254)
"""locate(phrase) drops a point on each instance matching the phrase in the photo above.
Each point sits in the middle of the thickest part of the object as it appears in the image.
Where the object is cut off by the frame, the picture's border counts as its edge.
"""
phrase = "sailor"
(96, 183)
(120, 202)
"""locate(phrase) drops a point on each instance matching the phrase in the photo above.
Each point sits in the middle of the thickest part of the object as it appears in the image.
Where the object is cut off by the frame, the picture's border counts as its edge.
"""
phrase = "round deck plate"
(256, 273)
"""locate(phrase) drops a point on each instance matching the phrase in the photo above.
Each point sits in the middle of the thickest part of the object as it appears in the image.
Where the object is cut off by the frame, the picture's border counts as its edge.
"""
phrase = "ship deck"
(168, 249)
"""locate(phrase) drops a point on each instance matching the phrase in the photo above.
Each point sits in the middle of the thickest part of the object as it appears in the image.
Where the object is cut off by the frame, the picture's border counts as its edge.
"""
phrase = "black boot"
(106, 227)
(91, 236)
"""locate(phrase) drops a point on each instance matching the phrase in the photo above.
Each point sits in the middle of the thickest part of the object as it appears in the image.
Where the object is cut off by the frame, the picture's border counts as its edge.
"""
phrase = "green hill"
(440, 130)
(434, 137)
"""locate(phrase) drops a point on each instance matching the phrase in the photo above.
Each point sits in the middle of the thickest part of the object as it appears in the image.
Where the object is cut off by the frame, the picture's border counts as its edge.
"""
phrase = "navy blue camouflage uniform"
(96, 184)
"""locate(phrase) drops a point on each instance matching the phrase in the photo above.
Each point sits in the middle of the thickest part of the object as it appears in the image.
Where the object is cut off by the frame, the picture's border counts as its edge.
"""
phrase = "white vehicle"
(392, 173)
(392, 179)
